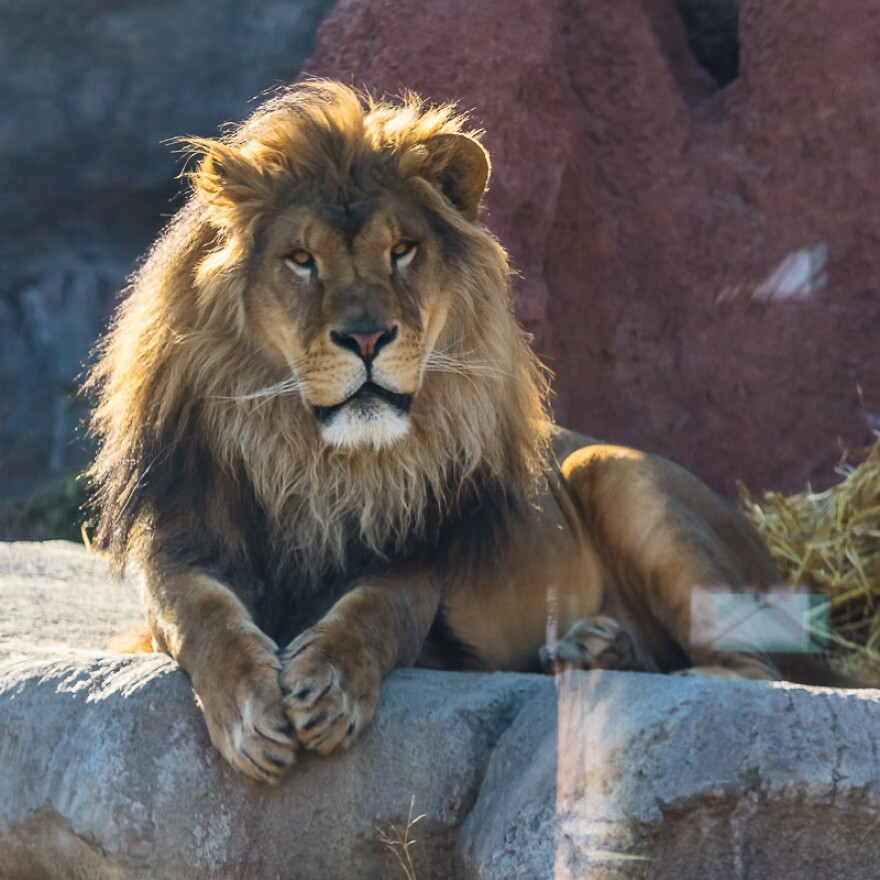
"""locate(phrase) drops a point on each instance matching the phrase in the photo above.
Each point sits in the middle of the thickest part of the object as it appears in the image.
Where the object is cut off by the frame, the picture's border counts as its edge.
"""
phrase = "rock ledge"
(108, 772)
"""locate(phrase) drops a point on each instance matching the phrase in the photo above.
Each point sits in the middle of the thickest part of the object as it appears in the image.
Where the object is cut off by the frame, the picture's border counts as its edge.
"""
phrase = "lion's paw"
(249, 725)
(330, 692)
(598, 642)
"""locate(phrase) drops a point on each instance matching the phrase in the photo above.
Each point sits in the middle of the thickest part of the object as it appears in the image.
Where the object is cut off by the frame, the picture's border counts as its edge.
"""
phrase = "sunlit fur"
(183, 358)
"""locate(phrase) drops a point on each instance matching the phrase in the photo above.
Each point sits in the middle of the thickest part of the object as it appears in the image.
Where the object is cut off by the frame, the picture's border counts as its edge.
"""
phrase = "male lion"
(320, 427)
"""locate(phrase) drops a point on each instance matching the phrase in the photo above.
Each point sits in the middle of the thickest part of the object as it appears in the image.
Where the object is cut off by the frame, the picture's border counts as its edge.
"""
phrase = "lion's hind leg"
(740, 670)
(666, 540)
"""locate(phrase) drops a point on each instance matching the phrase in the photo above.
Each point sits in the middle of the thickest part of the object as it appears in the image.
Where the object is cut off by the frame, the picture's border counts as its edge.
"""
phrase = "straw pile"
(829, 542)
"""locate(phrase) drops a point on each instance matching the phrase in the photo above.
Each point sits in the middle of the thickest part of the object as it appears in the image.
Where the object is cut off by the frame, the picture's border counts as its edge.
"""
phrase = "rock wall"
(699, 264)
(108, 773)
(90, 93)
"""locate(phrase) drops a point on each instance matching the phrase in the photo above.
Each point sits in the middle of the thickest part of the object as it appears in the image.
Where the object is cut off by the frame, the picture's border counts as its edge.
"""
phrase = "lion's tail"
(810, 669)
(135, 640)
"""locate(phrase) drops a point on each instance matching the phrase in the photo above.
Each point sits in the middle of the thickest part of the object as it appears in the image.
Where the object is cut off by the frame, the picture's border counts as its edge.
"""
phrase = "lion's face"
(350, 299)
(348, 252)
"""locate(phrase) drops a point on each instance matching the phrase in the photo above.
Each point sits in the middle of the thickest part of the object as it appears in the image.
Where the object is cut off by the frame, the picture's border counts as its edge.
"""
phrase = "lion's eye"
(402, 253)
(302, 263)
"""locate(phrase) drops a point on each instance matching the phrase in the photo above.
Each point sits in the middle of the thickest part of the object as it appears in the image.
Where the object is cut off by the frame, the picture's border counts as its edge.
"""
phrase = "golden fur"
(321, 428)
(181, 353)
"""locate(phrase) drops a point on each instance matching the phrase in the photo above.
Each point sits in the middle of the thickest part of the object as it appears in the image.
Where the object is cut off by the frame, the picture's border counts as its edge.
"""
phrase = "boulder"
(698, 263)
(108, 773)
(624, 775)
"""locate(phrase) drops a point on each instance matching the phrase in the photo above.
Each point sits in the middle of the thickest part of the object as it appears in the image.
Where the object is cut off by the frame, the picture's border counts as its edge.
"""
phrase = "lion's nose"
(366, 343)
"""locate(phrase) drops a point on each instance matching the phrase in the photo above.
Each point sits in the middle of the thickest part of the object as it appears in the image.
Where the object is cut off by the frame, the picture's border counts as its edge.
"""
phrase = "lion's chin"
(373, 417)
(368, 424)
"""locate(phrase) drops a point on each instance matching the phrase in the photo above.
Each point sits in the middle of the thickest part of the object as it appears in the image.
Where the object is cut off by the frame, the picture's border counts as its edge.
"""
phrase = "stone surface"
(108, 773)
(89, 94)
(634, 776)
(699, 264)
(56, 596)
(113, 753)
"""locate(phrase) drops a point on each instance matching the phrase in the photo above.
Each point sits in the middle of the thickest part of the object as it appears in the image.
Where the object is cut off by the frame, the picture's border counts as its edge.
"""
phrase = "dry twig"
(400, 842)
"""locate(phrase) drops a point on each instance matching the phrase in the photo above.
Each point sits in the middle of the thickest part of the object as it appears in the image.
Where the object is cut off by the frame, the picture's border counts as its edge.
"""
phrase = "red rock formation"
(648, 211)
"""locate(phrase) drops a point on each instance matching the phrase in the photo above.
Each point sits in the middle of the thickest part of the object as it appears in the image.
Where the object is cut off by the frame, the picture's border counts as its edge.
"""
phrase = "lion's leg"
(234, 669)
(332, 672)
(665, 539)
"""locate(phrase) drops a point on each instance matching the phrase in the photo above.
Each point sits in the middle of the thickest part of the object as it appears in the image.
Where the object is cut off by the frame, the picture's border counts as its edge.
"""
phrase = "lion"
(326, 441)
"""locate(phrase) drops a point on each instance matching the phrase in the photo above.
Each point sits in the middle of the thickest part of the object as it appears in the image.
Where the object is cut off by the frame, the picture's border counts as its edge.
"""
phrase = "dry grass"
(829, 542)
(400, 842)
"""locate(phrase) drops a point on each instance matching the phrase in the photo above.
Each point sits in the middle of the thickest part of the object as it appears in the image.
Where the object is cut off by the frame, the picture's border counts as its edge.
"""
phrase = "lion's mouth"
(368, 393)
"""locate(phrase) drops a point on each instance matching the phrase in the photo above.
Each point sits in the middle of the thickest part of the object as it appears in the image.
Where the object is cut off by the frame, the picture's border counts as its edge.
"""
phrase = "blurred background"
(689, 189)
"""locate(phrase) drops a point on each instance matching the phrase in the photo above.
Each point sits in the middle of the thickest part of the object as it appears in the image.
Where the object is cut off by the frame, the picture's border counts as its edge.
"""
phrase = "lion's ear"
(460, 165)
(226, 177)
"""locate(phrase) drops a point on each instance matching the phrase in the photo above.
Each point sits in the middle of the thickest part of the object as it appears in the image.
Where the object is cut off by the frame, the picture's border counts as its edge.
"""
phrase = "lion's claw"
(326, 706)
(250, 727)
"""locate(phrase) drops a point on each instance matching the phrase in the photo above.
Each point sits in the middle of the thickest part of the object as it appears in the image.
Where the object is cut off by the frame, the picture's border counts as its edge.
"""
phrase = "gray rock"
(112, 752)
(55, 596)
(89, 93)
(641, 776)
(108, 772)
(107, 762)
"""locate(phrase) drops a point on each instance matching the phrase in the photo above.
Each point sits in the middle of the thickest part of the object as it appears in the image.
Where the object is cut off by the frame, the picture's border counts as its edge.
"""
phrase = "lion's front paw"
(248, 725)
(331, 691)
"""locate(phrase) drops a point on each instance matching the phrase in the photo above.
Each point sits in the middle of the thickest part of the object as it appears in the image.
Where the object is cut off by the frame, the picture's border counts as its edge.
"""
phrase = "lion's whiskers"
(285, 386)
(440, 362)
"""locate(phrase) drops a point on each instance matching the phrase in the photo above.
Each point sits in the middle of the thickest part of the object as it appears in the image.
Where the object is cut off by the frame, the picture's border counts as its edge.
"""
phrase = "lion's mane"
(196, 467)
